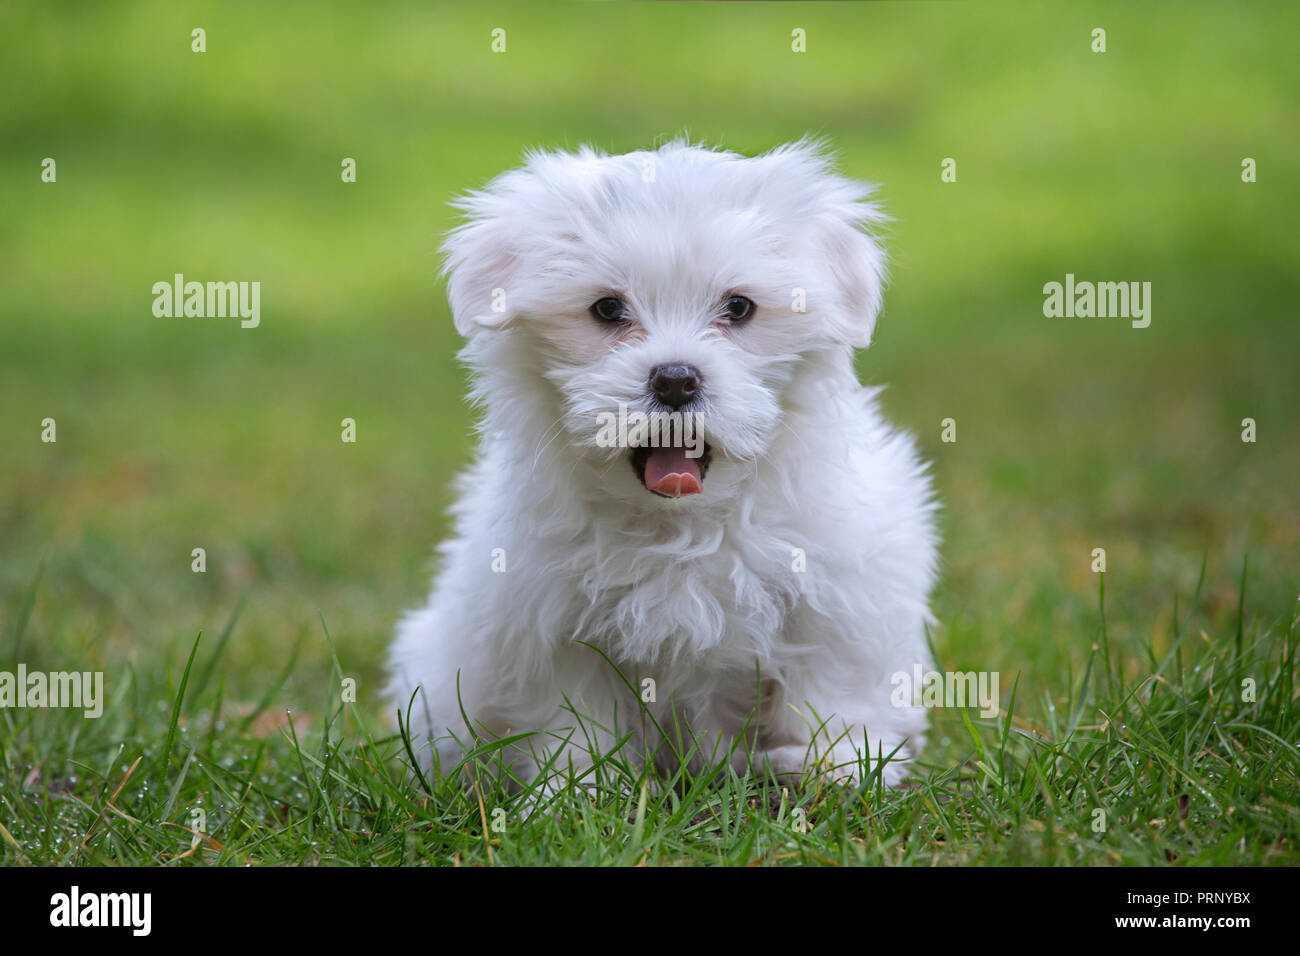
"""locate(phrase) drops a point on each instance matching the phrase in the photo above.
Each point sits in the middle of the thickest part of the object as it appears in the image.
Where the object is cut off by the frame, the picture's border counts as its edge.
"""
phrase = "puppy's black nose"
(674, 385)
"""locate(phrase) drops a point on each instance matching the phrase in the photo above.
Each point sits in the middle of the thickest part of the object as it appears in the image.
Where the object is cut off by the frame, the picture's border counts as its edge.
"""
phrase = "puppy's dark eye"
(737, 308)
(609, 309)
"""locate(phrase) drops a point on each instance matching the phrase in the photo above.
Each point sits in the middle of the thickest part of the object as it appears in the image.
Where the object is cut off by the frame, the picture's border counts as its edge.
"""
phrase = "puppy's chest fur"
(705, 593)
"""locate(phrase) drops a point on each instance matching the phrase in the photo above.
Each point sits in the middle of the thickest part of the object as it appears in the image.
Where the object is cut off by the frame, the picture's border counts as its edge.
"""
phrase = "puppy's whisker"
(799, 438)
(558, 426)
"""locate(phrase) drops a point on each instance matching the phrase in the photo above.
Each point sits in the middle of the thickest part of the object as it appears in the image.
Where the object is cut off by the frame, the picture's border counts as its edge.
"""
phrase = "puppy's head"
(663, 301)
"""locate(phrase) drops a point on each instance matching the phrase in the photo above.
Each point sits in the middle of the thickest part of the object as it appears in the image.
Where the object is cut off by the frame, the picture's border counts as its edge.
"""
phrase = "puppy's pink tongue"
(669, 472)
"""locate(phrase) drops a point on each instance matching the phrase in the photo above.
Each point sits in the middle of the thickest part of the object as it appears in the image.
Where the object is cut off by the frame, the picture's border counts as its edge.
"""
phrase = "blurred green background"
(1072, 433)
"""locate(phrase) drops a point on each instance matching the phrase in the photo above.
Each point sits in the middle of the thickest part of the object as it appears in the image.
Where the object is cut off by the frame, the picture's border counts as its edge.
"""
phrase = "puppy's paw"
(787, 765)
(793, 764)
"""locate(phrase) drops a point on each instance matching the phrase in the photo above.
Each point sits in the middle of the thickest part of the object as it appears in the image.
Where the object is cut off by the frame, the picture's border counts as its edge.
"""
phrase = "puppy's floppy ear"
(842, 220)
(857, 266)
(481, 261)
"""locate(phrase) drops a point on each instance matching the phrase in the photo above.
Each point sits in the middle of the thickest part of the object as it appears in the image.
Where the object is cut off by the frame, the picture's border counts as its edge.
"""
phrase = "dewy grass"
(1185, 755)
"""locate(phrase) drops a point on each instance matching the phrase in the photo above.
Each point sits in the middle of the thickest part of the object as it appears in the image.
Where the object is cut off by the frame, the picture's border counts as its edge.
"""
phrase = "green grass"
(1072, 434)
(1173, 767)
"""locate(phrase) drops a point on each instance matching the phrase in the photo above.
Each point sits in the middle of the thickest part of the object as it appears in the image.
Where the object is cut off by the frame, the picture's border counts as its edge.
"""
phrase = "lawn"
(1148, 714)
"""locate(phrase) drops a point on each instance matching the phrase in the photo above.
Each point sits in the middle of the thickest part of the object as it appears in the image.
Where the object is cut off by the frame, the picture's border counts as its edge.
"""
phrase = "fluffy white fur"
(788, 669)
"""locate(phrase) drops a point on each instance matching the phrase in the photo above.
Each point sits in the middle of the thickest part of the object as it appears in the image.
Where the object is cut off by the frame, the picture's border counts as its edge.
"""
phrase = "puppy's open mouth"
(668, 472)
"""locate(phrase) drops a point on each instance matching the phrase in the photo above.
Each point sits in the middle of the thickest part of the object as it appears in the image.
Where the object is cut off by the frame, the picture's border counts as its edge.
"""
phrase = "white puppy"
(753, 601)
